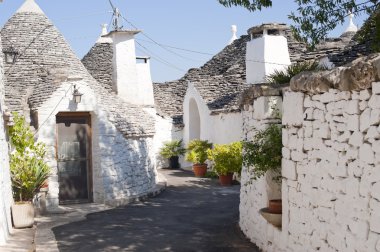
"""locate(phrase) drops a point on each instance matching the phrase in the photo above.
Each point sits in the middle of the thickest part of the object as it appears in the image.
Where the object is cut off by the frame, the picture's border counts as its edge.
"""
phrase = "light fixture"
(77, 97)
(10, 55)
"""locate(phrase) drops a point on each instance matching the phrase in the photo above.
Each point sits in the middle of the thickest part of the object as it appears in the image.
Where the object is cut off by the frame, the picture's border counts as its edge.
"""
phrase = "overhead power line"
(158, 58)
(178, 48)
(155, 42)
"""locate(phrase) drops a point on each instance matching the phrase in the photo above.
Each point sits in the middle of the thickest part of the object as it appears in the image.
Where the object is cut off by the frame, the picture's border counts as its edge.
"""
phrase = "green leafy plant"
(197, 151)
(211, 175)
(284, 76)
(227, 158)
(172, 149)
(28, 169)
(264, 153)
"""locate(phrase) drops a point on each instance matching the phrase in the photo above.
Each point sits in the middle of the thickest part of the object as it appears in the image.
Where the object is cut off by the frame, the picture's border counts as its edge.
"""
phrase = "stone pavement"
(191, 215)
(20, 240)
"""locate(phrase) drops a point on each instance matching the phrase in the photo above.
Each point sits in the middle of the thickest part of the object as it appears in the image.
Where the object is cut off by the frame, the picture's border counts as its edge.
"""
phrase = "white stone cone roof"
(43, 53)
(30, 6)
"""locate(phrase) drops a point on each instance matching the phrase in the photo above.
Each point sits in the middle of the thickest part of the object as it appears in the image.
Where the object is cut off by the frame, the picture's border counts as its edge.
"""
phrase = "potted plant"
(173, 150)
(29, 171)
(227, 159)
(197, 154)
(263, 156)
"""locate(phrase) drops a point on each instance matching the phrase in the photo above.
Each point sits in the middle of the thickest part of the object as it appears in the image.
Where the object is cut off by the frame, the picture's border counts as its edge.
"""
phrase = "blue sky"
(198, 25)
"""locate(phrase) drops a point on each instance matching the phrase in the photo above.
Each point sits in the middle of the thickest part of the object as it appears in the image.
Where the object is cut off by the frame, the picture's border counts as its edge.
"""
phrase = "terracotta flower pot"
(200, 170)
(275, 206)
(226, 180)
(23, 215)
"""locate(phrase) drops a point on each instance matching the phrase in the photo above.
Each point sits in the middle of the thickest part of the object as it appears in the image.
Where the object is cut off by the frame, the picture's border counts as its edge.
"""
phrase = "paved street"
(191, 215)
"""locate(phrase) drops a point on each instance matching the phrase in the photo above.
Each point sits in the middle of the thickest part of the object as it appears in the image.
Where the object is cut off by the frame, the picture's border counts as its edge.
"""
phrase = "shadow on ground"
(191, 215)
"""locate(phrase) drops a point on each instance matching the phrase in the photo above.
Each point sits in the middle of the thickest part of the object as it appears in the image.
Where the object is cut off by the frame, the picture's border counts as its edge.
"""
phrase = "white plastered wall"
(132, 81)
(121, 168)
(165, 132)
(145, 85)
(265, 55)
(221, 128)
(5, 182)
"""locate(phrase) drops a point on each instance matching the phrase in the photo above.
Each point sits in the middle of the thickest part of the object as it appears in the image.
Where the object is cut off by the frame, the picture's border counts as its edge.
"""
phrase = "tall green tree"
(313, 19)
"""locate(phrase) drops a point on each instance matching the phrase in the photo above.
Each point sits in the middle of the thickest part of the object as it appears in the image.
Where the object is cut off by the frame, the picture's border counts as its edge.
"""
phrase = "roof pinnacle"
(351, 27)
(234, 31)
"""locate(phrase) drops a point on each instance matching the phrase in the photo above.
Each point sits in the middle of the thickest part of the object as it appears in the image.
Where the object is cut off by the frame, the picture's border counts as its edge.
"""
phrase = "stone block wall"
(331, 174)
(254, 194)
(5, 182)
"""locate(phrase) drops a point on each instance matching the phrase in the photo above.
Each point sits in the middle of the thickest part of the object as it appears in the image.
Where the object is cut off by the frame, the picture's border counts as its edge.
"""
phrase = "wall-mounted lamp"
(10, 55)
(77, 97)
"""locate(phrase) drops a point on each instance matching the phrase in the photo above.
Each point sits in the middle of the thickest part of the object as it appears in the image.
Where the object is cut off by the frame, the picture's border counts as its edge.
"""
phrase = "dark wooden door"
(74, 157)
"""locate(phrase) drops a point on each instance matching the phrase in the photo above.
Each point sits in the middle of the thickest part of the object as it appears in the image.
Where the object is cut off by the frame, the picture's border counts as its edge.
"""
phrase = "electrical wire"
(159, 59)
(155, 42)
(177, 48)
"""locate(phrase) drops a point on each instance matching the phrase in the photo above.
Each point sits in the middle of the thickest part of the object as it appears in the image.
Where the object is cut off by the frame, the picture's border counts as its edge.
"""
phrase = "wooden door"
(74, 157)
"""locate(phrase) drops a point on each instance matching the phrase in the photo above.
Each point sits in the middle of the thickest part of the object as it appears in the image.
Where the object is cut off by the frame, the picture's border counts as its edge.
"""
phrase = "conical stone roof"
(43, 52)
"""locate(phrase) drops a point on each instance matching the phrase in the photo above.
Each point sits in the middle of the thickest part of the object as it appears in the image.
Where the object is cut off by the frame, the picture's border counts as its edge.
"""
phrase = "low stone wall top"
(356, 76)
(255, 91)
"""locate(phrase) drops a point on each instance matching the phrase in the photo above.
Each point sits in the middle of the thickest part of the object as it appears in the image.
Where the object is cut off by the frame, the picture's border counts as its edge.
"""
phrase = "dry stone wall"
(330, 167)
(331, 170)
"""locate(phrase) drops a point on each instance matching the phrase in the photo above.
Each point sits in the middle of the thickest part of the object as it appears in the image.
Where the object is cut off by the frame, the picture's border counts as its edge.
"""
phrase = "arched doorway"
(194, 121)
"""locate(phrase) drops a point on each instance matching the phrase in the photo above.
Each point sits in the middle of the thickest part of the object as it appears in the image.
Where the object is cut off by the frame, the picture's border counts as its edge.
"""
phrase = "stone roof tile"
(31, 80)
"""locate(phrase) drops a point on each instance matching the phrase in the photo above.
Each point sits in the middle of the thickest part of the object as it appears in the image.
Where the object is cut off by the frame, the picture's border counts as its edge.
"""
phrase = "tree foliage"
(313, 18)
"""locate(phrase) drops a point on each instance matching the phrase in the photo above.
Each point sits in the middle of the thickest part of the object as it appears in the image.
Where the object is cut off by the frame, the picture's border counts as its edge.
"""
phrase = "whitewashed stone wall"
(5, 182)
(331, 170)
(123, 168)
(255, 194)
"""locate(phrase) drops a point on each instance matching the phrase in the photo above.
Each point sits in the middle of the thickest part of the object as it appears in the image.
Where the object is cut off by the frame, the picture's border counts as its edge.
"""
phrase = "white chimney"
(131, 81)
(266, 52)
(234, 31)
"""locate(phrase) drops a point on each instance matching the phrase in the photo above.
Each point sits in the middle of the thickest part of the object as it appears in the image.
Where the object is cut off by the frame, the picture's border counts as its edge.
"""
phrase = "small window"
(142, 60)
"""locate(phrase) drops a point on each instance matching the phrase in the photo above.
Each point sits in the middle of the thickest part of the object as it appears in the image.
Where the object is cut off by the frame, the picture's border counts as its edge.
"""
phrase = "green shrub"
(172, 149)
(284, 76)
(27, 166)
(264, 153)
(211, 175)
(227, 158)
(197, 151)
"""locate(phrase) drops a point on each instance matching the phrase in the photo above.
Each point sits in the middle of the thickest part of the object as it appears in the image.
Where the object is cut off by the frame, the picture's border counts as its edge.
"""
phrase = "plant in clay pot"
(227, 159)
(29, 171)
(263, 156)
(197, 154)
(172, 151)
